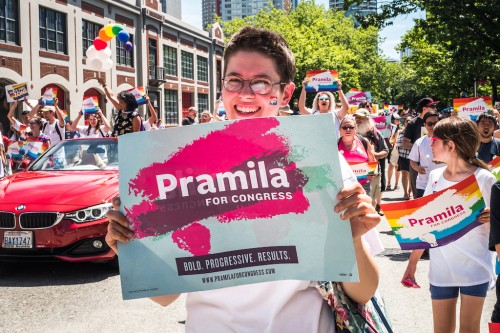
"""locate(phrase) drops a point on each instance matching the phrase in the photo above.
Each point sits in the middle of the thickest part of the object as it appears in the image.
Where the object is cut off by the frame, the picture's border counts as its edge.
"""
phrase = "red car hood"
(75, 189)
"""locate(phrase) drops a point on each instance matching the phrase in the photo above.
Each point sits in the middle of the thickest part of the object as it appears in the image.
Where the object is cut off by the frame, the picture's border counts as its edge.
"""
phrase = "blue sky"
(191, 13)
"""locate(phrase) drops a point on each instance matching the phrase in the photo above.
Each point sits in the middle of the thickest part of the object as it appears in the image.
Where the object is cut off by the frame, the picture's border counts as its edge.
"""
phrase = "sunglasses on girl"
(324, 98)
(431, 123)
(346, 128)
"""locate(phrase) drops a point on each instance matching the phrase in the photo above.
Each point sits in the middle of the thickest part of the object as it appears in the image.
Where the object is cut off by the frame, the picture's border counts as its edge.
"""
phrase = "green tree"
(466, 34)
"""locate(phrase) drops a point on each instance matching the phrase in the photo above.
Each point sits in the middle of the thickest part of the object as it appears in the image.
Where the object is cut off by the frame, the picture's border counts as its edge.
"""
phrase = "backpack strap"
(57, 129)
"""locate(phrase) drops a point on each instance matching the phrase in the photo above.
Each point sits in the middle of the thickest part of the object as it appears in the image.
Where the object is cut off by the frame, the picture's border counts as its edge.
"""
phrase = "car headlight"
(89, 214)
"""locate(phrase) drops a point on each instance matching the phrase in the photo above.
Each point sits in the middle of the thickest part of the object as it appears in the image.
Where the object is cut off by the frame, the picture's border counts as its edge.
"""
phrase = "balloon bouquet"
(99, 54)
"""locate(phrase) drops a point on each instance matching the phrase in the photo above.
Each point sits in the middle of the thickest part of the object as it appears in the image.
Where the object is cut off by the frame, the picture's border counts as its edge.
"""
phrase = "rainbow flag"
(363, 169)
(22, 131)
(322, 80)
(472, 107)
(33, 148)
(437, 219)
(386, 107)
(90, 105)
(139, 94)
(353, 90)
(495, 163)
(13, 150)
(400, 107)
(48, 96)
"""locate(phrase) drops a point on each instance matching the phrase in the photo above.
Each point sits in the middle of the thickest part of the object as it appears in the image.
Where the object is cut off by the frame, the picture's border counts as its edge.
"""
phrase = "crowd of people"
(425, 152)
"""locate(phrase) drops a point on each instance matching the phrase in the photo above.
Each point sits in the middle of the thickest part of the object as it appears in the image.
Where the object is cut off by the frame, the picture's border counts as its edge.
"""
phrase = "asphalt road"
(61, 297)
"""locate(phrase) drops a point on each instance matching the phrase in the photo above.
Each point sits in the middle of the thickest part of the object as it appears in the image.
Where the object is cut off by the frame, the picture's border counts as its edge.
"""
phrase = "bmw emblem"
(21, 207)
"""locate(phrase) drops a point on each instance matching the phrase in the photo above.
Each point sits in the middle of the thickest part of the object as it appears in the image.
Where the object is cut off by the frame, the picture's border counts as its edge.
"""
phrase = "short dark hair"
(430, 114)
(487, 115)
(25, 112)
(129, 100)
(271, 44)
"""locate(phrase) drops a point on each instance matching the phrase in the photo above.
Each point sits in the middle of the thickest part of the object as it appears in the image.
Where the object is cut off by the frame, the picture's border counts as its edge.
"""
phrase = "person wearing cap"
(324, 102)
(489, 147)
(414, 131)
(366, 128)
(128, 119)
(54, 127)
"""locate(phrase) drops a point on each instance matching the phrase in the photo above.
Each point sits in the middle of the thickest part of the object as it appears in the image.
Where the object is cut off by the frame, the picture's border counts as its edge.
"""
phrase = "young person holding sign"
(258, 80)
(464, 266)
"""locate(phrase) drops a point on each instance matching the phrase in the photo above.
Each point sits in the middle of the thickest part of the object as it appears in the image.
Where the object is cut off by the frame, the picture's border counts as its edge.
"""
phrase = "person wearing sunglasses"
(324, 102)
(464, 267)
(356, 149)
(421, 157)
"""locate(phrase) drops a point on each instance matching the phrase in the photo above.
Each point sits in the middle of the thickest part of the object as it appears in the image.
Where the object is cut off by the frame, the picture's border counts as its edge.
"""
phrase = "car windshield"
(86, 154)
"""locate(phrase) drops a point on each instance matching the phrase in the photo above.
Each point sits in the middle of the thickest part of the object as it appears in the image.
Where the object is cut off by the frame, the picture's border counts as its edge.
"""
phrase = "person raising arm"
(259, 67)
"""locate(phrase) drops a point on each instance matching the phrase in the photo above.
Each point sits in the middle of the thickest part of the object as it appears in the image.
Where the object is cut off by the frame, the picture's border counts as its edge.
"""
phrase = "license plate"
(17, 240)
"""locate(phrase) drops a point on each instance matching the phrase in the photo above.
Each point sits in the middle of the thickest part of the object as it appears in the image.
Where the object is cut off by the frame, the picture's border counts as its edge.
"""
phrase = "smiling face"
(93, 121)
(246, 103)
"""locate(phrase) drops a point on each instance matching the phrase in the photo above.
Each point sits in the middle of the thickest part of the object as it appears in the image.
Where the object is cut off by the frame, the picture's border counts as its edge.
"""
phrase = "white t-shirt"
(93, 133)
(466, 261)
(149, 127)
(421, 152)
(50, 130)
(268, 307)
(336, 121)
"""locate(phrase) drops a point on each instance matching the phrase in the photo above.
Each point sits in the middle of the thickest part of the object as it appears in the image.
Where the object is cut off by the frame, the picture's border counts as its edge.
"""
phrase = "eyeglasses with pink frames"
(434, 139)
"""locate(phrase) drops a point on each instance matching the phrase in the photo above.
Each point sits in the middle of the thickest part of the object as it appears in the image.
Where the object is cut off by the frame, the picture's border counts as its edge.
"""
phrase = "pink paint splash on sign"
(246, 142)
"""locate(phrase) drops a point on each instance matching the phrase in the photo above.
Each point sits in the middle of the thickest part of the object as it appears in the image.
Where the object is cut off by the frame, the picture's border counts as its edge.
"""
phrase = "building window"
(9, 17)
(187, 65)
(171, 107)
(90, 31)
(123, 57)
(202, 68)
(170, 60)
(202, 103)
(52, 30)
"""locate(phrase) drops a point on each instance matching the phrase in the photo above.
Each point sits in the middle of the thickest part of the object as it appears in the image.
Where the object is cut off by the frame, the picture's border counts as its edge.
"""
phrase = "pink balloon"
(99, 44)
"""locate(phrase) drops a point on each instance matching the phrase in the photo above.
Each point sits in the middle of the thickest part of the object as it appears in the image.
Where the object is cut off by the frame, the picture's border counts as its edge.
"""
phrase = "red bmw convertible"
(50, 213)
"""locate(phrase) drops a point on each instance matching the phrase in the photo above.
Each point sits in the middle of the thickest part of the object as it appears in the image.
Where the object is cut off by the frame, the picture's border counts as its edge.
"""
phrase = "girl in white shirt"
(465, 266)
(98, 125)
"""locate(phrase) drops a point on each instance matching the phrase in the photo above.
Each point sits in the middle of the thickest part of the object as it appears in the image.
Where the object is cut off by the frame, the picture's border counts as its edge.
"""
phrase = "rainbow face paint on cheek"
(273, 100)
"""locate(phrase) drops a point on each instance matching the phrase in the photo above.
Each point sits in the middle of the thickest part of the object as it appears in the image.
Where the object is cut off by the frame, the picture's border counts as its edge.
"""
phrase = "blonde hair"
(315, 107)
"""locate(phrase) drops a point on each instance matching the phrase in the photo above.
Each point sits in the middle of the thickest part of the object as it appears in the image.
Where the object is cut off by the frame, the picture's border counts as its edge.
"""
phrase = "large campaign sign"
(231, 203)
